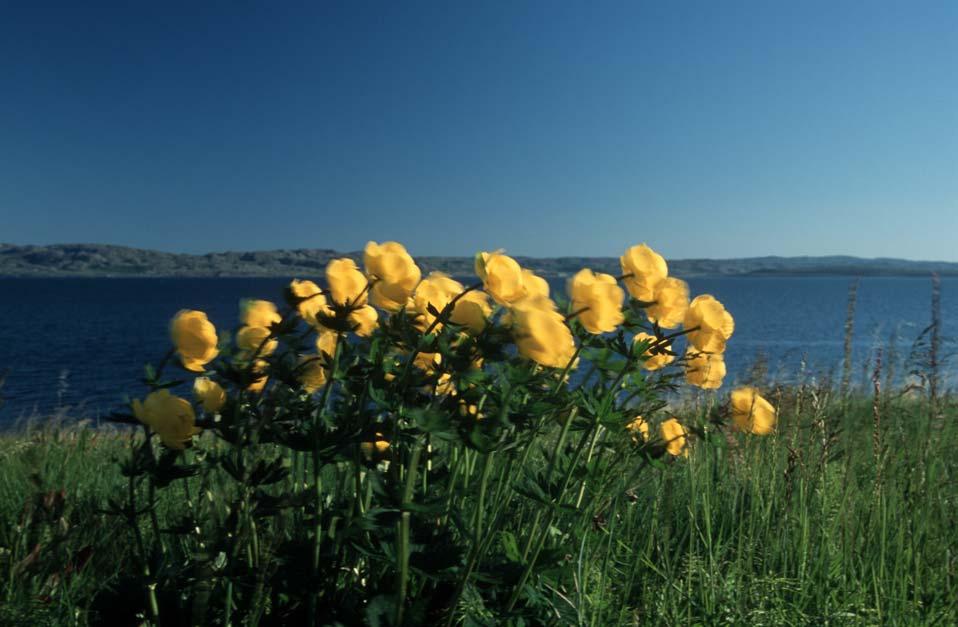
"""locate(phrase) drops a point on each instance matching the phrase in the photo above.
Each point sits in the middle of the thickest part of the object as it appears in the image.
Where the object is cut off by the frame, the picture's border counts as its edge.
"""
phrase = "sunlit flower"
(541, 333)
(712, 325)
(533, 284)
(671, 298)
(310, 301)
(260, 376)
(209, 393)
(653, 361)
(638, 428)
(194, 337)
(673, 434)
(347, 285)
(598, 300)
(752, 413)
(472, 311)
(435, 292)
(311, 373)
(705, 370)
(326, 342)
(171, 417)
(258, 313)
(375, 448)
(365, 319)
(427, 362)
(501, 276)
(395, 272)
(644, 268)
(469, 410)
(251, 339)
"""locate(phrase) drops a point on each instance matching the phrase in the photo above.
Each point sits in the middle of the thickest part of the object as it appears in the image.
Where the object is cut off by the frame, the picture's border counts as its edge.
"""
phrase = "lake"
(82, 343)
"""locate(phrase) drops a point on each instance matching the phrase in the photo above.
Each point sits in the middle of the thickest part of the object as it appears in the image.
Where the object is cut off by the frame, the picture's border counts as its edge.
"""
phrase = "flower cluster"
(401, 385)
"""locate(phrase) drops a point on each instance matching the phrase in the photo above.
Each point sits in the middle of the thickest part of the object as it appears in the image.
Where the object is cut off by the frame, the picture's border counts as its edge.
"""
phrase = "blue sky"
(707, 129)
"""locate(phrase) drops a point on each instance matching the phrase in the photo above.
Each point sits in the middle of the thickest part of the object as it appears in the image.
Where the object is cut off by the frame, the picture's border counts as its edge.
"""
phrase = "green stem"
(402, 540)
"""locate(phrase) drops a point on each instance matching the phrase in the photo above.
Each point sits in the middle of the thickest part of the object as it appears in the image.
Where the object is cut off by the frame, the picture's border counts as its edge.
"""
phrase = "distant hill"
(101, 260)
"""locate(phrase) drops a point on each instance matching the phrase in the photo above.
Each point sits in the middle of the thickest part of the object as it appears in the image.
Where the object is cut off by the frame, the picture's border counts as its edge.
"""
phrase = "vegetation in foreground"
(806, 527)
(432, 462)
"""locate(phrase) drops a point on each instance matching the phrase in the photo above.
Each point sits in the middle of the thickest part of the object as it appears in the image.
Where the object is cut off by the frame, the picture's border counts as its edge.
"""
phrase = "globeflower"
(752, 413)
(597, 300)
(644, 269)
(251, 339)
(472, 311)
(705, 370)
(259, 313)
(375, 448)
(437, 290)
(673, 434)
(259, 376)
(171, 417)
(501, 276)
(671, 298)
(365, 319)
(309, 301)
(194, 337)
(709, 325)
(395, 273)
(209, 393)
(311, 373)
(652, 361)
(533, 284)
(541, 333)
(638, 428)
(347, 285)
(326, 342)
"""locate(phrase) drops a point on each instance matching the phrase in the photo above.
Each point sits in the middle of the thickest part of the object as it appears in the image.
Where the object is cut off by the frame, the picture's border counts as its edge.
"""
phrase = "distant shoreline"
(106, 261)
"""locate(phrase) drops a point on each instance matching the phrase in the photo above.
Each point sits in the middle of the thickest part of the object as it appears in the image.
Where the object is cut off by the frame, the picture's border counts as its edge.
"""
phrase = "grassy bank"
(845, 516)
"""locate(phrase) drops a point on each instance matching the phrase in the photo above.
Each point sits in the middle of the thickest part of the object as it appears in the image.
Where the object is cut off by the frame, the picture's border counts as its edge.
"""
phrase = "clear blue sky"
(712, 129)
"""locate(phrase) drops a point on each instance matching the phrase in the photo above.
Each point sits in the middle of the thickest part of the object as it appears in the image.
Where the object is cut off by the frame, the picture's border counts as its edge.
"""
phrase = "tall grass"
(816, 525)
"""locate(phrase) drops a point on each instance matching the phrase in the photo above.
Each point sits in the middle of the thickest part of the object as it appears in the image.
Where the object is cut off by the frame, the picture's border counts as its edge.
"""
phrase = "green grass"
(809, 526)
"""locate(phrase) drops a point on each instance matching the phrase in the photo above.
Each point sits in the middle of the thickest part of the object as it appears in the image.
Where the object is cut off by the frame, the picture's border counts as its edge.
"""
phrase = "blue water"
(82, 343)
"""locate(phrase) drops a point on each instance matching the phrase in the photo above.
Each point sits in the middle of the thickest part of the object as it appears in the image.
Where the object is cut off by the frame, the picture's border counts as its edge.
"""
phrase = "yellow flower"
(705, 370)
(645, 268)
(171, 417)
(347, 285)
(638, 428)
(194, 337)
(653, 361)
(501, 275)
(674, 436)
(427, 362)
(752, 413)
(249, 339)
(376, 448)
(326, 342)
(444, 385)
(598, 298)
(311, 373)
(713, 325)
(472, 311)
(437, 290)
(209, 393)
(395, 271)
(533, 284)
(469, 410)
(671, 303)
(364, 319)
(260, 377)
(309, 301)
(258, 313)
(541, 333)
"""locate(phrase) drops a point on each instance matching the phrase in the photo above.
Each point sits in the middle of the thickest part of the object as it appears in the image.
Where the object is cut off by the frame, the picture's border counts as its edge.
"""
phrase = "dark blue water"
(82, 343)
